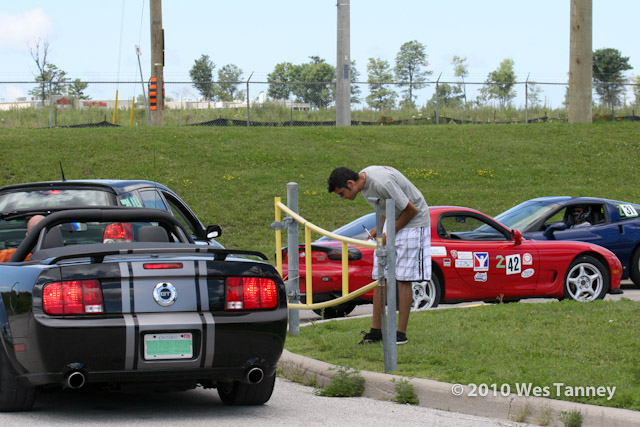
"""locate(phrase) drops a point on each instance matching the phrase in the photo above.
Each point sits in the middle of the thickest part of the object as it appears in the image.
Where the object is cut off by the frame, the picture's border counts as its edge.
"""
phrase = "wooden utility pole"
(157, 62)
(580, 62)
(343, 66)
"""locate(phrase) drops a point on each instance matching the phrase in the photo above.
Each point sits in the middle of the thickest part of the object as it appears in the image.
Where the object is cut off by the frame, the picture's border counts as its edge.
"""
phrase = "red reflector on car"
(162, 266)
(73, 297)
(118, 232)
(251, 293)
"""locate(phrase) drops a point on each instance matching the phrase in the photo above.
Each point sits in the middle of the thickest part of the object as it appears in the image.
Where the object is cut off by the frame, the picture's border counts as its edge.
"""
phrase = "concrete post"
(343, 66)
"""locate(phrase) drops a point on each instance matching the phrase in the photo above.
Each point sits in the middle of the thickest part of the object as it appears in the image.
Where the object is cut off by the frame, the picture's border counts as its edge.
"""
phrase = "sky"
(95, 40)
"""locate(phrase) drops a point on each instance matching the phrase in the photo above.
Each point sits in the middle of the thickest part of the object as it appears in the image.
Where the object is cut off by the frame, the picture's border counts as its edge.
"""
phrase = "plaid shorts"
(413, 255)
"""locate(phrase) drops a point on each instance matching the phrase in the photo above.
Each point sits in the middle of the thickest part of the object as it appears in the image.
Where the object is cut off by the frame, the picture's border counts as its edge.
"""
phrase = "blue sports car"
(612, 224)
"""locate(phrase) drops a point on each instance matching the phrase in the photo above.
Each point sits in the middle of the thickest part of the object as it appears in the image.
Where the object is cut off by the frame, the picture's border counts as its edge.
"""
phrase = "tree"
(460, 70)
(379, 74)
(202, 77)
(608, 78)
(448, 96)
(312, 82)
(533, 94)
(409, 62)
(279, 80)
(355, 89)
(636, 89)
(228, 76)
(499, 84)
(318, 77)
(76, 89)
(50, 79)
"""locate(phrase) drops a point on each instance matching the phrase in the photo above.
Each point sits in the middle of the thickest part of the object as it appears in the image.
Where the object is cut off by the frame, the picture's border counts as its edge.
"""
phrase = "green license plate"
(168, 346)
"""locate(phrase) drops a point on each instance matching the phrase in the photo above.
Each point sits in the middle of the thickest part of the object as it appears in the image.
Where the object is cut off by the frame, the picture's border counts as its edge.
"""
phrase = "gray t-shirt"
(385, 182)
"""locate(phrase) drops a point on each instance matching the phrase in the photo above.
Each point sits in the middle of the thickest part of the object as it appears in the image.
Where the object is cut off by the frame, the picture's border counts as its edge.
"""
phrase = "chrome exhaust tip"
(75, 380)
(254, 375)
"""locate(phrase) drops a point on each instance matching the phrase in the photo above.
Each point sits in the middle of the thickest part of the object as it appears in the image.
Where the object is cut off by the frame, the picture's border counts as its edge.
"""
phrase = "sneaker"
(373, 336)
(401, 338)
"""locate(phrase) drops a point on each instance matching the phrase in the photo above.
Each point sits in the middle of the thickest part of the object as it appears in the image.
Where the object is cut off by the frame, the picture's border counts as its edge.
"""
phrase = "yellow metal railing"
(308, 227)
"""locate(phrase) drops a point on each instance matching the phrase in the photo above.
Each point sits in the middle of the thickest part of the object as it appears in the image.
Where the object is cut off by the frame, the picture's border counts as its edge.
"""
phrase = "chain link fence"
(25, 104)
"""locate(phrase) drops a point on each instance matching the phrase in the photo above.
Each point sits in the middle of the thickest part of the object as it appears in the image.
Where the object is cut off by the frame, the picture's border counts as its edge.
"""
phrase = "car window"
(595, 214)
(468, 227)
(131, 199)
(152, 199)
(182, 216)
(557, 217)
(37, 199)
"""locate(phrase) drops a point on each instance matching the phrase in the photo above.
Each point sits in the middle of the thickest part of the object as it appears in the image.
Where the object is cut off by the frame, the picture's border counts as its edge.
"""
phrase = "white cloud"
(22, 29)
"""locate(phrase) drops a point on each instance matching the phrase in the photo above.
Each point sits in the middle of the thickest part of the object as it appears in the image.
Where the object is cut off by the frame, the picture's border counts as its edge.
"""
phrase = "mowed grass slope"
(230, 176)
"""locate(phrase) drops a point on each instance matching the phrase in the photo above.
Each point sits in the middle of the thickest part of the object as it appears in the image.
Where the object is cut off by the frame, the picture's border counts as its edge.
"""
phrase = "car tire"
(340, 310)
(14, 395)
(634, 267)
(241, 393)
(586, 279)
(426, 294)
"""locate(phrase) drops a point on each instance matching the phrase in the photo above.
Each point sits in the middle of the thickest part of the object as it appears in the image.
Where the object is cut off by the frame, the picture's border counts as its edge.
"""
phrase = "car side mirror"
(554, 226)
(214, 231)
(516, 235)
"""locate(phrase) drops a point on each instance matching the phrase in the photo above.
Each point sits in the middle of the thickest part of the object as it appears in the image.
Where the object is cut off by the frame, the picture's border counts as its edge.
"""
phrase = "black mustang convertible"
(119, 296)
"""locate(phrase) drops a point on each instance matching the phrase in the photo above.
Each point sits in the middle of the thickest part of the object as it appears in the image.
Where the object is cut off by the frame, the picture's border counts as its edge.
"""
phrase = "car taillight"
(118, 232)
(73, 297)
(251, 293)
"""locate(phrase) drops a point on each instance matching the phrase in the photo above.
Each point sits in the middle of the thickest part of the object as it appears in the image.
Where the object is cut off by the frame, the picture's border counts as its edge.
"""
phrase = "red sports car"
(474, 258)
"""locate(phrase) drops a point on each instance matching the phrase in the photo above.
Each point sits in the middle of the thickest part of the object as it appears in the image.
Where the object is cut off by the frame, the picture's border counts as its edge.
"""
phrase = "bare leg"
(376, 319)
(405, 297)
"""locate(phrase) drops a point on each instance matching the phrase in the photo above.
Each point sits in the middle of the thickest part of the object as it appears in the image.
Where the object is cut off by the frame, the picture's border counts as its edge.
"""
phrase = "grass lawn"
(518, 344)
(230, 176)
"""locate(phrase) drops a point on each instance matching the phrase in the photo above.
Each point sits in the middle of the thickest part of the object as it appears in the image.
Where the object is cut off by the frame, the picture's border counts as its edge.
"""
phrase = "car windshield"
(354, 229)
(38, 199)
(520, 216)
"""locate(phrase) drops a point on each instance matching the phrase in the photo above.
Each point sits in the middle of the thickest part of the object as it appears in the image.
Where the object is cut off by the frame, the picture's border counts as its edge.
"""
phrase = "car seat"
(152, 233)
(53, 239)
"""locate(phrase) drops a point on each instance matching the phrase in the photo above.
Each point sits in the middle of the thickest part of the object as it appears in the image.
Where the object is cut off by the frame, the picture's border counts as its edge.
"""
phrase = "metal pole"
(526, 100)
(50, 106)
(389, 339)
(382, 261)
(144, 94)
(293, 286)
(438, 101)
(248, 116)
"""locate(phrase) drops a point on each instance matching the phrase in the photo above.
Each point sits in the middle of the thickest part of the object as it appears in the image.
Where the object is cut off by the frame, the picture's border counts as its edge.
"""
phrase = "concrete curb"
(439, 395)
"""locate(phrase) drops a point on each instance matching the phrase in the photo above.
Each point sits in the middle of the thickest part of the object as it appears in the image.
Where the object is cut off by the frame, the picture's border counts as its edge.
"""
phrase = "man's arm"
(405, 216)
